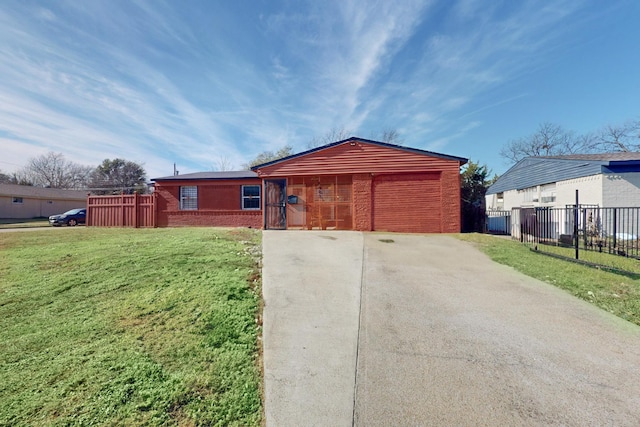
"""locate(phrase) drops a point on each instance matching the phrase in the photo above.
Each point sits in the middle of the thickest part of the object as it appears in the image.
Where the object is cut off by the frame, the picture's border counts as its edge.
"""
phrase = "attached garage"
(407, 203)
(365, 185)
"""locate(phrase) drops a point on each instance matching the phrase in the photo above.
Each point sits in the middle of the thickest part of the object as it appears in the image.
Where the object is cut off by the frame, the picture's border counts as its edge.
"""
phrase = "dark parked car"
(71, 218)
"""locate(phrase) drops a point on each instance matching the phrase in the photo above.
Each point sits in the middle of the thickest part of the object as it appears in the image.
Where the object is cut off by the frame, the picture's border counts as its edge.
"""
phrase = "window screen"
(189, 198)
(250, 197)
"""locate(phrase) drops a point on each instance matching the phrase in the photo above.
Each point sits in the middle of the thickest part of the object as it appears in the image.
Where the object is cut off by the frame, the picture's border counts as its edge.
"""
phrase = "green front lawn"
(616, 293)
(130, 327)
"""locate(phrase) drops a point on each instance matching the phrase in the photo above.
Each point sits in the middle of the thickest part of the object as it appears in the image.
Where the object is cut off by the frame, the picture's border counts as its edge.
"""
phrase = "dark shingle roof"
(533, 171)
(29, 191)
(209, 175)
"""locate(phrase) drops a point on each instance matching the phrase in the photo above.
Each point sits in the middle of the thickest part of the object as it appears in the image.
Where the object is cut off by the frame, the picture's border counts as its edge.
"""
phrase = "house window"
(189, 198)
(250, 197)
(17, 200)
(530, 194)
(548, 193)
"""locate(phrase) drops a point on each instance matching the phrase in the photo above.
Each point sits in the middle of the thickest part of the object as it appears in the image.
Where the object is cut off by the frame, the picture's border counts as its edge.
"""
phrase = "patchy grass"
(130, 327)
(616, 293)
(24, 223)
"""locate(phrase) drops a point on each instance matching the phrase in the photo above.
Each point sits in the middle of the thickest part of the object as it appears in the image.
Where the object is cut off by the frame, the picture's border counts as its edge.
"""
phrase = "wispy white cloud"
(461, 63)
(159, 82)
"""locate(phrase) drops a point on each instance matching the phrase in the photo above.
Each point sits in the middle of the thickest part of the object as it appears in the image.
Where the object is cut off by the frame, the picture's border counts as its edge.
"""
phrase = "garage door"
(408, 203)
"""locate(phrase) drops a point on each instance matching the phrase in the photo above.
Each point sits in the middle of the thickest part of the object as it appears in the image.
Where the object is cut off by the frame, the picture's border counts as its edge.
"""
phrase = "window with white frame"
(17, 200)
(530, 194)
(548, 193)
(189, 198)
(250, 197)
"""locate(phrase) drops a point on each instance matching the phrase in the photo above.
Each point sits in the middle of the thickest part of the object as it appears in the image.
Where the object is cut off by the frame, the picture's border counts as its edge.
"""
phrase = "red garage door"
(407, 203)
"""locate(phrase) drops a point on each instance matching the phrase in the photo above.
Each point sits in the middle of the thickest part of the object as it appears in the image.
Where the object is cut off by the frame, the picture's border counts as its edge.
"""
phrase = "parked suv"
(70, 218)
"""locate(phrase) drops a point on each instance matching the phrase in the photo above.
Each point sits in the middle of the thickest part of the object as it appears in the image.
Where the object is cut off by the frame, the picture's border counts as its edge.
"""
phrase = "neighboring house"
(24, 201)
(354, 184)
(605, 180)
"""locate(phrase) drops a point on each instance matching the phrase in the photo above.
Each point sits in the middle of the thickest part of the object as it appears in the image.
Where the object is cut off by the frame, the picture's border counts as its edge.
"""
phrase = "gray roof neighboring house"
(28, 191)
(533, 171)
(209, 176)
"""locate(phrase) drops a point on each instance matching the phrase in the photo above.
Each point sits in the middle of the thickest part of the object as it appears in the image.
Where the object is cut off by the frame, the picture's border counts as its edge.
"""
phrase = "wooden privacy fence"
(126, 210)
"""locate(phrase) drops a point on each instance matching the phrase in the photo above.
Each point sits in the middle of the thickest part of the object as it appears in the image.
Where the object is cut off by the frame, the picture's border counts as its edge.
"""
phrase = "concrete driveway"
(389, 329)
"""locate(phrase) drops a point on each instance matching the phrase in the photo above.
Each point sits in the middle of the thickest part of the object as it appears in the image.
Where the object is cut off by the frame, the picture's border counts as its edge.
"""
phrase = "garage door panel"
(407, 203)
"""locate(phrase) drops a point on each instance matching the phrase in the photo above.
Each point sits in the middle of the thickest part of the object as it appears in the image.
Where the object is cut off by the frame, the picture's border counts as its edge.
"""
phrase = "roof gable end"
(354, 155)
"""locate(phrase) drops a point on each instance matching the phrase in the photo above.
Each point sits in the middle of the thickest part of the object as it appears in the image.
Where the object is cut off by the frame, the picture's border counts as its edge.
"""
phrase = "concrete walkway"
(373, 329)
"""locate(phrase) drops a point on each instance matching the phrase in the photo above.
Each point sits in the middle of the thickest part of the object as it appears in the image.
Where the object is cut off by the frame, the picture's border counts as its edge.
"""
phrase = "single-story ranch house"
(354, 184)
(24, 201)
(606, 180)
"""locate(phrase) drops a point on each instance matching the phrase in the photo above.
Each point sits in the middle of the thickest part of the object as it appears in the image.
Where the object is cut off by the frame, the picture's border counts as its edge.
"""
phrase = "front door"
(275, 204)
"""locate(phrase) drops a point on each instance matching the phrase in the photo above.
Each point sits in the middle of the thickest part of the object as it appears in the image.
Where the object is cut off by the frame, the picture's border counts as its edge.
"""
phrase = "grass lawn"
(617, 262)
(616, 293)
(24, 223)
(130, 327)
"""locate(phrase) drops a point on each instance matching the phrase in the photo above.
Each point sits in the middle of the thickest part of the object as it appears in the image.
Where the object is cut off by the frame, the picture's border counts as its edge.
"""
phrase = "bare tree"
(620, 137)
(54, 171)
(388, 135)
(553, 140)
(5, 179)
(549, 140)
(269, 156)
(223, 164)
(333, 135)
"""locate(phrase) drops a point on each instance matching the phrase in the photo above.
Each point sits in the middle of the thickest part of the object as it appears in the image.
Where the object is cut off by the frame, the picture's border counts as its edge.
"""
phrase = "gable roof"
(14, 190)
(532, 171)
(209, 176)
(462, 160)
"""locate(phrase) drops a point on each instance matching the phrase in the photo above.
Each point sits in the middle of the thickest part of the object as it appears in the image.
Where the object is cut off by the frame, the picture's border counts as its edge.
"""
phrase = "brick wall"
(450, 214)
(219, 205)
(252, 219)
(589, 189)
(621, 190)
(362, 202)
(451, 203)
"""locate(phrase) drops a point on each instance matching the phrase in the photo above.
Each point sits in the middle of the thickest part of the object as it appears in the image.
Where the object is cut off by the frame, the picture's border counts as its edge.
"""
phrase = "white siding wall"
(621, 190)
(514, 199)
(589, 189)
(33, 208)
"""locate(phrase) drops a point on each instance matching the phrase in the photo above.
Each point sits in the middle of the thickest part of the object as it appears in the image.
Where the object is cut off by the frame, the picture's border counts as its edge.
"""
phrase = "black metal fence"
(567, 231)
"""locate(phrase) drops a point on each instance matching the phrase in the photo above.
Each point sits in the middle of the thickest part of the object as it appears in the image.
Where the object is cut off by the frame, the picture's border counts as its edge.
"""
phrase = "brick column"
(362, 202)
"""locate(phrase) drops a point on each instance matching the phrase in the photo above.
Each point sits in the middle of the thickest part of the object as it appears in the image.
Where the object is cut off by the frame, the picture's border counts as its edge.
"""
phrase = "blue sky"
(194, 82)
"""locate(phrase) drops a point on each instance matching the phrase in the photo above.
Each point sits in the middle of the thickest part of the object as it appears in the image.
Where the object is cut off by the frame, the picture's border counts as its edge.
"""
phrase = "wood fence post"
(154, 209)
(123, 213)
(135, 209)
(88, 219)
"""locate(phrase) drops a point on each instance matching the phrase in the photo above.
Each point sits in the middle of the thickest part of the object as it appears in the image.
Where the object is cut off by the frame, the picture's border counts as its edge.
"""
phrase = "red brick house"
(354, 184)
(223, 199)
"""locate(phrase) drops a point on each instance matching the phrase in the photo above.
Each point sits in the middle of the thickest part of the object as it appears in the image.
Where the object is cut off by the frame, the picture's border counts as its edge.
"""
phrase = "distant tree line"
(52, 170)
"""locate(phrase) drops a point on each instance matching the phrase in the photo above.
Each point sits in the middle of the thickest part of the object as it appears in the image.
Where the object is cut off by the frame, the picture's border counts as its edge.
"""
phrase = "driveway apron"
(426, 330)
